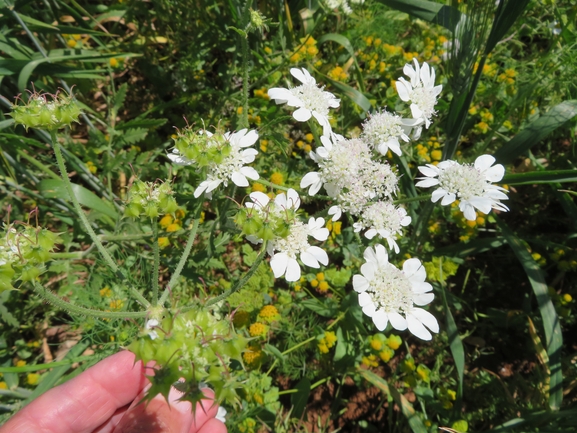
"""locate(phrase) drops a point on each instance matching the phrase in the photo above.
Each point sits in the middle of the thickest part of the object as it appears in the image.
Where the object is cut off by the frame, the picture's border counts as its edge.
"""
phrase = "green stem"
(113, 238)
(181, 263)
(243, 280)
(313, 386)
(245, 76)
(37, 164)
(315, 132)
(68, 306)
(36, 367)
(413, 199)
(156, 253)
(272, 185)
(107, 258)
(75, 255)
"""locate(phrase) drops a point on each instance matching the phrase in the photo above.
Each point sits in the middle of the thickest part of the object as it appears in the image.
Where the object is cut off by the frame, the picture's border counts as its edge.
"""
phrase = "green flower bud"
(29, 273)
(46, 111)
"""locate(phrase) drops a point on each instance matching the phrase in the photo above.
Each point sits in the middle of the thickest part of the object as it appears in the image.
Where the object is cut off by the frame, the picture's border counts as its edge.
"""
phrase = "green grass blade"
(407, 408)
(353, 94)
(546, 176)
(536, 131)
(471, 248)
(553, 336)
(436, 13)
(55, 188)
(346, 44)
(507, 13)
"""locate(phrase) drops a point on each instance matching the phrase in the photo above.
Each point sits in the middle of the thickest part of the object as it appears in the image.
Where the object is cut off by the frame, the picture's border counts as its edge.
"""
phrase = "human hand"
(99, 401)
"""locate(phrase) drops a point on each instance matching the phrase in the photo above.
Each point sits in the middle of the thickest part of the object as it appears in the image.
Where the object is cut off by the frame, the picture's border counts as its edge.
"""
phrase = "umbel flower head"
(470, 184)
(311, 100)
(384, 219)
(223, 155)
(287, 236)
(387, 294)
(150, 199)
(420, 91)
(46, 111)
(383, 130)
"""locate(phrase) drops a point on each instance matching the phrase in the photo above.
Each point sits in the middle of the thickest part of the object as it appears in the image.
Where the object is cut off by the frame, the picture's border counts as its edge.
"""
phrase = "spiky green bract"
(150, 199)
(46, 111)
(195, 349)
(201, 146)
(23, 251)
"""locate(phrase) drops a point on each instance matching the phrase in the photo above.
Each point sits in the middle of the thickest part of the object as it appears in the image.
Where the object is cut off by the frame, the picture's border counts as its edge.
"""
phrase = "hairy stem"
(156, 253)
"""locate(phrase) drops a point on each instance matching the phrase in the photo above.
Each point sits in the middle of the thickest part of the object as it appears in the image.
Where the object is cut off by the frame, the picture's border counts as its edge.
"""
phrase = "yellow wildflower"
(20, 363)
(165, 221)
(163, 242)
(116, 304)
(370, 361)
(105, 292)
(3, 385)
(386, 354)
(32, 378)
(173, 227)
(394, 342)
(253, 355)
(269, 313)
(323, 286)
(277, 178)
(314, 283)
(258, 329)
(258, 187)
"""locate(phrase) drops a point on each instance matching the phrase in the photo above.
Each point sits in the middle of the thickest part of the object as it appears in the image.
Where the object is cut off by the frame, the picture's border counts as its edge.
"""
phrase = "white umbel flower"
(284, 251)
(232, 167)
(387, 294)
(150, 325)
(384, 219)
(470, 184)
(311, 100)
(420, 91)
(383, 130)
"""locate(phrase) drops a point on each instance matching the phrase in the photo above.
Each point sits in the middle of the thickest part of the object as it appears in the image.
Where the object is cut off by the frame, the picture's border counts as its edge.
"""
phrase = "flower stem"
(413, 199)
(245, 76)
(243, 280)
(272, 185)
(181, 263)
(315, 132)
(107, 258)
(156, 254)
(68, 306)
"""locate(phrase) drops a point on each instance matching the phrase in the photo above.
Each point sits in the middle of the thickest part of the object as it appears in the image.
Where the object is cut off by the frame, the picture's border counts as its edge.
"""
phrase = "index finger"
(85, 402)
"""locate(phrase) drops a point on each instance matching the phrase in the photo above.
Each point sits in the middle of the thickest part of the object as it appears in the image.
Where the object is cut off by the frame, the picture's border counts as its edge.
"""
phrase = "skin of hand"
(104, 398)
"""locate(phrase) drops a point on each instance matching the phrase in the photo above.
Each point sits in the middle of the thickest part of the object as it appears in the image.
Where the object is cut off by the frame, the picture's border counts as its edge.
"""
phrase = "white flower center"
(381, 127)
(425, 99)
(391, 290)
(463, 180)
(313, 98)
(383, 216)
(295, 242)
(231, 164)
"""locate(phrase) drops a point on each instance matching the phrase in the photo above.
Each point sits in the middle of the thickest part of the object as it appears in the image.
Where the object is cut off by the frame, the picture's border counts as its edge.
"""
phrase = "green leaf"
(7, 317)
(40, 24)
(507, 13)
(546, 176)
(471, 248)
(553, 336)
(353, 94)
(119, 97)
(299, 398)
(6, 123)
(537, 131)
(55, 188)
(134, 135)
(269, 348)
(407, 408)
(433, 12)
(144, 123)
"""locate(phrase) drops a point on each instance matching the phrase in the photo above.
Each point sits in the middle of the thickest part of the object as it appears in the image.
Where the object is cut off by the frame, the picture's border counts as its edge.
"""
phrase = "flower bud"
(46, 111)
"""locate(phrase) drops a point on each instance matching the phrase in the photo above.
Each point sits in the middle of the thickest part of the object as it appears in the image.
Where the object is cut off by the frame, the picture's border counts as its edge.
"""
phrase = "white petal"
(427, 182)
(302, 114)
(319, 254)
(483, 162)
(259, 198)
(417, 328)
(429, 171)
(249, 172)
(309, 260)
(423, 298)
(278, 264)
(336, 213)
(468, 211)
(293, 270)
(402, 90)
(448, 199)
(360, 283)
(313, 180)
(280, 95)
(495, 174)
(249, 139)
(365, 299)
(426, 319)
(239, 179)
(293, 199)
(397, 321)
(380, 319)
(200, 189)
(414, 270)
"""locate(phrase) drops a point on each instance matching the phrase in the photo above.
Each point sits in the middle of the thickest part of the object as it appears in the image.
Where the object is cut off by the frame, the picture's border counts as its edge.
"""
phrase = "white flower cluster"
(343, 5)
(233, 147)
(284, 250)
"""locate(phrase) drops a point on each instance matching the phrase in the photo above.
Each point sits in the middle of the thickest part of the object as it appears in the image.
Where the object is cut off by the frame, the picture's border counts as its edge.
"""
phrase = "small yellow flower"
(116, 304)
(330, 338)
(253, 355)
(370, 361)
(268, 50)
(71, 43)
(295, 58)
(436, 155)
(105, 292)
(386, 354)
(258, 187)
(424, 373)
(258, 329)
(308, 148)
(239, 110)
(165, 221)
(308, 137)
(32, 378)
(269, 313)
(323, 348)
(277, 178)
(20, 363)
(321, 276)
(174, 227)
(376, 344)
(323, 286)
(3, 385)
(91, 167)
(394, 342)
(567, 298)
(113, 62)
(314, 283)
(163, 242)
